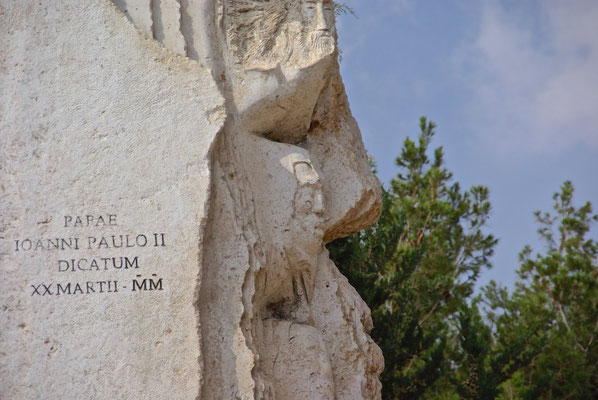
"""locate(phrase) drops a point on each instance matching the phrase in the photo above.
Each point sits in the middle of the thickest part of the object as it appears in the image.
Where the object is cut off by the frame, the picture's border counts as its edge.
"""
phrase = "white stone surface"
(245, 157)
(140, 11)
(167, 25)
(96, 119)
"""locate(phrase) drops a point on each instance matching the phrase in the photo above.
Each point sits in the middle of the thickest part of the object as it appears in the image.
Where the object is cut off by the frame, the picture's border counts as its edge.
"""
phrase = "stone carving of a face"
(262, 34)
(309, 179)
(281, 53)
(319, 18)
(290, 216)
(308, 202)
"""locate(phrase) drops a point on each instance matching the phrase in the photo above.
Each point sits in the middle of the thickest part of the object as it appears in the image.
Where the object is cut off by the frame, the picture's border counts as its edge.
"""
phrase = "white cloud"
(534, 76)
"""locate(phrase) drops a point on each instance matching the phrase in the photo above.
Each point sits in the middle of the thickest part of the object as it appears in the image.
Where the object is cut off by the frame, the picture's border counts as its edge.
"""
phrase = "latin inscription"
(95, 253)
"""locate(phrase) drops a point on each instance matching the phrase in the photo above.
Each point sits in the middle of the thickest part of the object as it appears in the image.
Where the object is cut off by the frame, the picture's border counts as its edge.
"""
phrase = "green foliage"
(417, 265)
(343, 9)
(443, 219)
(547, 327)
(557, 294)
(483, 360)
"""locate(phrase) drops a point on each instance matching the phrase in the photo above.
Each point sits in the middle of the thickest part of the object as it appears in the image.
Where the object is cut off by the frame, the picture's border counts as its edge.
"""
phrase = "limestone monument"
(170, 171)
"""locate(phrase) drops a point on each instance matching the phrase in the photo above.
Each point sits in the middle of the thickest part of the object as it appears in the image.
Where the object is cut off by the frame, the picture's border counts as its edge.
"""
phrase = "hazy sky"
(512, 86)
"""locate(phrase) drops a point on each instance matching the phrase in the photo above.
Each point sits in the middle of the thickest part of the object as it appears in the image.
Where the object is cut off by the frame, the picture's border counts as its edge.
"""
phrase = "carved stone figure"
(289, 173)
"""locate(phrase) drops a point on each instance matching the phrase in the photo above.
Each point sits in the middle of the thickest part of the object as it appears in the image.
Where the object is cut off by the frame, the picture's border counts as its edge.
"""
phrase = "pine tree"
(418, 264)
(481, 361)
(557, 295)
(416, 268)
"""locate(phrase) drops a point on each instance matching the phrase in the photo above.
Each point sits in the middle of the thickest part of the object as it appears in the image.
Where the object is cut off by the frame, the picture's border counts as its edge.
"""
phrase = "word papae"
(78, 221)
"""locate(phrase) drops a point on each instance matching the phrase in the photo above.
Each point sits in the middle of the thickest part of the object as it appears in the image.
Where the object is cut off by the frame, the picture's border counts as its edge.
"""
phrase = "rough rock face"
(194, 156)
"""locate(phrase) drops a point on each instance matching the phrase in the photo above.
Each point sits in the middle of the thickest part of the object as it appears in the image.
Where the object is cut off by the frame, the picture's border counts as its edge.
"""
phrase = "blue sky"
(512, 86)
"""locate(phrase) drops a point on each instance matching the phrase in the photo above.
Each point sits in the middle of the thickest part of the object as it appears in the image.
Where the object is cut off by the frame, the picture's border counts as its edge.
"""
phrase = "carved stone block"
(170, 172)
